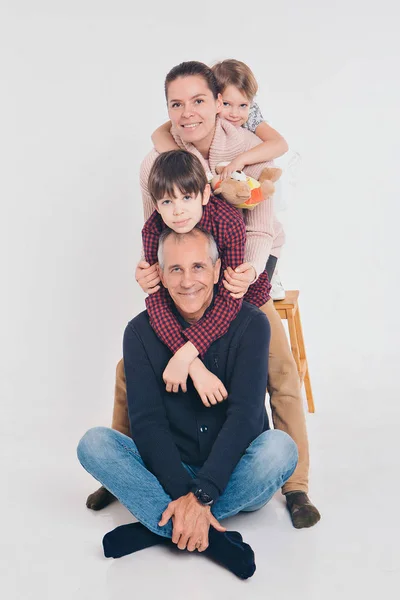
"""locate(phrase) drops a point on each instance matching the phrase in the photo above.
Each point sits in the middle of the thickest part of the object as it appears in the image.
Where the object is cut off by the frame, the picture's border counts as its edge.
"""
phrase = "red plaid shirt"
(226, 225)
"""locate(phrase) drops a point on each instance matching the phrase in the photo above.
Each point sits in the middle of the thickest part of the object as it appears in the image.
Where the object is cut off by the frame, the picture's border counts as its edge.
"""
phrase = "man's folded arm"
(148, 420)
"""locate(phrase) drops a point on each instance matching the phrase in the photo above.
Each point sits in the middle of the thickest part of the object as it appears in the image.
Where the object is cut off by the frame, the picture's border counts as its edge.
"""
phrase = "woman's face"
(192, 108)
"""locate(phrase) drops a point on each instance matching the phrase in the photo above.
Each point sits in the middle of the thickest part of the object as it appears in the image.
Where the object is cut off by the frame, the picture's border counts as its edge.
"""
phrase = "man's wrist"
(202, 497)
(206, 485)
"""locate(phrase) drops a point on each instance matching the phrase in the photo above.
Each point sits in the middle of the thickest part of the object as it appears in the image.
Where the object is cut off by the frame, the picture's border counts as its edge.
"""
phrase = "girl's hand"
(238, 281)
(236, 165)
(148, 277)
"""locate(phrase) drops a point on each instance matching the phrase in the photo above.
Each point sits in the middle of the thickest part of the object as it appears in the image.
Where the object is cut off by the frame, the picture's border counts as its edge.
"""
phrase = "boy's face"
(183, 211)
(235, 107)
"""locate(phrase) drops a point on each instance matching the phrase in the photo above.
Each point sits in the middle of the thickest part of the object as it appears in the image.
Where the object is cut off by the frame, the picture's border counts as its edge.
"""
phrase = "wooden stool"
(289, 309)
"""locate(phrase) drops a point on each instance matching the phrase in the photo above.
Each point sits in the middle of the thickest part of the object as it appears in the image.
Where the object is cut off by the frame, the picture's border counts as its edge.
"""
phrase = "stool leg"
(309, 394)
(293, 339)
(303, 356)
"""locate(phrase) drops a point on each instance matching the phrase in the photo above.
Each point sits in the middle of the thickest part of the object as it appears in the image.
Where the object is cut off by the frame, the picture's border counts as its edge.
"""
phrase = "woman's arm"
(260, 234)
(162, 138)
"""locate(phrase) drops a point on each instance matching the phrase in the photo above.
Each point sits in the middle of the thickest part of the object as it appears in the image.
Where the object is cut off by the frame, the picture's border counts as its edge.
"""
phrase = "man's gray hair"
(212, 246)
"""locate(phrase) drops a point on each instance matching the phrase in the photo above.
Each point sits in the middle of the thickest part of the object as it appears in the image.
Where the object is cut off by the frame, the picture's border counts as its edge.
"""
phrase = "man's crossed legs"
(287, 414)
(114, 460)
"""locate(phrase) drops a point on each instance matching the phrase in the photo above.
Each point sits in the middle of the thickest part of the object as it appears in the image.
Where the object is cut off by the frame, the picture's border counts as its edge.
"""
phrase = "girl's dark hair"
(176, 169)
(192, 67)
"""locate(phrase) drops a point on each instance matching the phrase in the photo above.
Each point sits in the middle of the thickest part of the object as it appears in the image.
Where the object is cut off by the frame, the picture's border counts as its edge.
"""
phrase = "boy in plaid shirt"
(182, 199)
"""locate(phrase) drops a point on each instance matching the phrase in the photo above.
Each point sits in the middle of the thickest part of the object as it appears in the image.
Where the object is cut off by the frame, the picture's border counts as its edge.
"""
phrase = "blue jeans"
(114, 460)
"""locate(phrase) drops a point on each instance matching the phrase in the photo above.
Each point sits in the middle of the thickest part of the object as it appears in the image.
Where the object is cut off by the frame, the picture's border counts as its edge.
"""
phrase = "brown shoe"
(100, 499)
(302, 512)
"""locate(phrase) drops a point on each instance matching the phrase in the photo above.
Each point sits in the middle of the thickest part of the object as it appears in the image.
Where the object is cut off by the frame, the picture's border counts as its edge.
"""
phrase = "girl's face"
(236, 106)
(192, 108)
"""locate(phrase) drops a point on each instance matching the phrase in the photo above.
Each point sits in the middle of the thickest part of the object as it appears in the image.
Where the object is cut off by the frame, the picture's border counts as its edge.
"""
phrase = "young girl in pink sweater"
(238, 87)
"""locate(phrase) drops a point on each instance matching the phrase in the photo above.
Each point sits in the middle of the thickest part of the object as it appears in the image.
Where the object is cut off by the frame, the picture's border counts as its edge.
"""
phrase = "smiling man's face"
(189, 274)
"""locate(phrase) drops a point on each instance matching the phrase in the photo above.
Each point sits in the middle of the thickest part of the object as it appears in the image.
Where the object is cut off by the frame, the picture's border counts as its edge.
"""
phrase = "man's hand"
(237, 281)
(148, 277)
(235, 165)
(191, 522)
(177, 369)
(210, 389)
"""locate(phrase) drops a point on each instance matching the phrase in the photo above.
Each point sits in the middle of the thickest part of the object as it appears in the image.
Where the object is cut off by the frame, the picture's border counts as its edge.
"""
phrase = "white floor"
(51, 544)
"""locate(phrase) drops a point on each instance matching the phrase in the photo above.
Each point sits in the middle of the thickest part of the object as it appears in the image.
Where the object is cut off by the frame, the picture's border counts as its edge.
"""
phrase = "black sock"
(229, 549)
(126, 539)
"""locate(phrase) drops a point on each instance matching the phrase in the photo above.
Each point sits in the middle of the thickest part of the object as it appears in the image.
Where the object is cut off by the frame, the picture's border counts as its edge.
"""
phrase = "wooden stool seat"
(289, 309)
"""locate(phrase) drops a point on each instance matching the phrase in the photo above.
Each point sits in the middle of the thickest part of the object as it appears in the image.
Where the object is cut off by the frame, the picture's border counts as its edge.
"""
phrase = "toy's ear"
(234, 192)
(270, 174)
(218, 190)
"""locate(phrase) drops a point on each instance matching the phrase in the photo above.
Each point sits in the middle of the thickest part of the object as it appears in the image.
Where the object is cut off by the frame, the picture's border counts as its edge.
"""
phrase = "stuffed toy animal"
(245, 192)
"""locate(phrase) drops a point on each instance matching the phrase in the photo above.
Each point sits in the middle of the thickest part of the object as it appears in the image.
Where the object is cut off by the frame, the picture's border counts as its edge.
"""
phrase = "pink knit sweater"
(264, 233)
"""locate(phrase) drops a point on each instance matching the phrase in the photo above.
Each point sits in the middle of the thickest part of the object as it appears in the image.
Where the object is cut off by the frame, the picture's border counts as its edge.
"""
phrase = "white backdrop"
(82, 90)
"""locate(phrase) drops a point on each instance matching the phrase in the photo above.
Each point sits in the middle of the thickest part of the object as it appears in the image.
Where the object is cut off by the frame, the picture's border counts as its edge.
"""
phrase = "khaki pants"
(285, 398)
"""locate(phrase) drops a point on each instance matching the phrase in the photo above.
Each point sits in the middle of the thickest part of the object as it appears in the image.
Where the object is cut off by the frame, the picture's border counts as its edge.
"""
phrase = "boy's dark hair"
(176, 168)
(190, 68)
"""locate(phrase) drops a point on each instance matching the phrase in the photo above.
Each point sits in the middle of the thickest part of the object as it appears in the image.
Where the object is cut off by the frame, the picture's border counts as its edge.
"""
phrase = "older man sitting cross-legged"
(189, 466)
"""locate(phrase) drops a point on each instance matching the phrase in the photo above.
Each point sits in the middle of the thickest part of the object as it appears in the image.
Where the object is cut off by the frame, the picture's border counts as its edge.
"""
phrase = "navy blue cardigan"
(169, 428)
